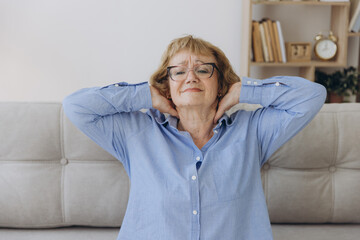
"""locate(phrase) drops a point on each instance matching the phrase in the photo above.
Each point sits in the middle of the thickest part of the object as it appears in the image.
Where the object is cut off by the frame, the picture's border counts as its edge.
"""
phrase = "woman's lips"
(192, 90)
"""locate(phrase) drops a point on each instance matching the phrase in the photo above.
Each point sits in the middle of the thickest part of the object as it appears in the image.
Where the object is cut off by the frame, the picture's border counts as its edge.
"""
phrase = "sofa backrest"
(52, 175)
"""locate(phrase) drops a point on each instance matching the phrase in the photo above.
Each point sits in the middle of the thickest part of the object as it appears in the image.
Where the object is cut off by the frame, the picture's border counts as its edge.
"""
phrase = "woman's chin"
(194, 103)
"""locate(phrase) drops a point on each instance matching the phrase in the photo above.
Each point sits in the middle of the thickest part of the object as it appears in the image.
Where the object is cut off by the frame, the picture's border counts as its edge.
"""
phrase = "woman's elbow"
(321, 93)
(71, 108)
(67, 104)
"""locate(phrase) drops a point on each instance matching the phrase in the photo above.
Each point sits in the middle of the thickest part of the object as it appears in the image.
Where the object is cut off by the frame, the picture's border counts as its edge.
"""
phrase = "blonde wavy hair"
(160, 80)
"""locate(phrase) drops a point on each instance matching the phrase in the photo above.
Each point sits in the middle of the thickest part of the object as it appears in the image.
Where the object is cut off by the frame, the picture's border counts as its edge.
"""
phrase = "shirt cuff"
(250, 91)
(139, 95)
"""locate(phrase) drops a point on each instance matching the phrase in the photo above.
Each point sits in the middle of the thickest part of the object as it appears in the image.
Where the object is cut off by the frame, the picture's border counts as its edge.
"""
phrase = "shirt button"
(277, 84)
(255, 83)
(198, 158)
(248, 82)
(216, 131)
(193, 177)
(194, 212)
(116, 85)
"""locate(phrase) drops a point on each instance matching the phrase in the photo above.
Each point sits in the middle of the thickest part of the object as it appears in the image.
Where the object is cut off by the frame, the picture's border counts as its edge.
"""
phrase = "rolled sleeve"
(109, 114)
(289, 104)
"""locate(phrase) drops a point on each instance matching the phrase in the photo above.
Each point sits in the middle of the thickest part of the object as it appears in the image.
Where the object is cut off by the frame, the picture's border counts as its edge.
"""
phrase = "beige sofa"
(55, 183)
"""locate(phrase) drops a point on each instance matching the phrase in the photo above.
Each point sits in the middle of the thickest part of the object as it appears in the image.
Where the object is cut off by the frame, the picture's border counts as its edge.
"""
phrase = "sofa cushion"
(316, 231)
(52, 175)
(314, 177)
(280, 232)
(73, 233)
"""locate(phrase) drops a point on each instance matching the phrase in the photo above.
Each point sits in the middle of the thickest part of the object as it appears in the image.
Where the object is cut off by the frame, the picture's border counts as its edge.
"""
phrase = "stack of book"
(267, 41)
(354, 25)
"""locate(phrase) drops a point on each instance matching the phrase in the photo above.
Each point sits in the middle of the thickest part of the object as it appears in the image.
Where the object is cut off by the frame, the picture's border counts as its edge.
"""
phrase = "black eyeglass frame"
(212, 64)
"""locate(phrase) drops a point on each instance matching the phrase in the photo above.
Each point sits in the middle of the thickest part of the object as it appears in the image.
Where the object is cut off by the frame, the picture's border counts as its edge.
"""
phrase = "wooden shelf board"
(299, 64)
(353, 34)
(302, 3)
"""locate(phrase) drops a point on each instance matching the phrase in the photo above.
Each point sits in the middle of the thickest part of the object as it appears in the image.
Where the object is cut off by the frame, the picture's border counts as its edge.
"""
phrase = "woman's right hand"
(161, 103)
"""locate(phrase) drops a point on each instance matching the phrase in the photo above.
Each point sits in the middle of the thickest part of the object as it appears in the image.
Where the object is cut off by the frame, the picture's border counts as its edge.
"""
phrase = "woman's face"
(193, 90)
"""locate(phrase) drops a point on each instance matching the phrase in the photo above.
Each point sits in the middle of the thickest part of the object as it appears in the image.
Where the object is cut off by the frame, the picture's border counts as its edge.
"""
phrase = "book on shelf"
(356, 26)
(256, 42)
(272, 40)
(268, 40)
(282, 42)
(355, 17)
(277, 41)
(353, 6)
(268, 43)
(263, 43)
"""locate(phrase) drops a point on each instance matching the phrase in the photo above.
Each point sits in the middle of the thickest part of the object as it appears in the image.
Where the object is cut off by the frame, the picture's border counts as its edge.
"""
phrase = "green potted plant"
(339, 84)
(333, 85)
(351, 79)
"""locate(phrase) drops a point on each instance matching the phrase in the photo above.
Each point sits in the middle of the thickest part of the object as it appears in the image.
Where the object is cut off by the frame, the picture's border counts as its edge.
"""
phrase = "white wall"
(50, 48)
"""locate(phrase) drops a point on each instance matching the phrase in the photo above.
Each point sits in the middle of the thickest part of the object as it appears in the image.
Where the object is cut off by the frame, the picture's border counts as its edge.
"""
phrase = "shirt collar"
(164, 118)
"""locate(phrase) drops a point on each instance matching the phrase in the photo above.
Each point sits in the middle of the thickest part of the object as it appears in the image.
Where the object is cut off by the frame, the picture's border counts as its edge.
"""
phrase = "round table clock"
(325, 47)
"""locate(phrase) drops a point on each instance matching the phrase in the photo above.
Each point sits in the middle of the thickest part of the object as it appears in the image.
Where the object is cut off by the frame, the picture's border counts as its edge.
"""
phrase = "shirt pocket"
(231, 173)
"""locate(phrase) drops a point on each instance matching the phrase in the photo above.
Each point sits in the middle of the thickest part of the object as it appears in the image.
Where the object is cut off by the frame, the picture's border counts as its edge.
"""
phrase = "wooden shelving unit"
(339, 21)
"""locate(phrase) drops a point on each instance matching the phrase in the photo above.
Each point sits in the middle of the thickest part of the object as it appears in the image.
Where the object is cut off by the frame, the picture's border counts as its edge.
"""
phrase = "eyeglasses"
(202, 71)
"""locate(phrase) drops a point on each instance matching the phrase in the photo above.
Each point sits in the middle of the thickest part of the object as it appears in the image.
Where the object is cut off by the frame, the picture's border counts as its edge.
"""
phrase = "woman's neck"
(198, 122)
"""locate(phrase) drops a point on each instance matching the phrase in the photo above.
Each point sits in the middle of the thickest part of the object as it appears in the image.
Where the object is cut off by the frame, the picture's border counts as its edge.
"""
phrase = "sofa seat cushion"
(316, 231)
(280, 232)
(78, 233)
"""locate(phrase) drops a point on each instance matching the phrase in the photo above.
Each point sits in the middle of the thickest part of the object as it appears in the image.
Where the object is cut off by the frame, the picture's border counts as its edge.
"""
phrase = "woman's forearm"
(88, 104)
(293, 94)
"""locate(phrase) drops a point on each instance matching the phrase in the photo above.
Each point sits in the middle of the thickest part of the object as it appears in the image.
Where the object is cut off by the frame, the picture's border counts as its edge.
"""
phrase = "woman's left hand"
(229, 100)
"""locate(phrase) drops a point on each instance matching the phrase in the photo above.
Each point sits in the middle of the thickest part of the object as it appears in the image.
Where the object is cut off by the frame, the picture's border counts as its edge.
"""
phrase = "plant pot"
(351, 98)
(334, 98)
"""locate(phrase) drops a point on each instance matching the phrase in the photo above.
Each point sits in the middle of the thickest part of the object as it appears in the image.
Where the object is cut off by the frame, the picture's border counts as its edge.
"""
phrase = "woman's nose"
(191, 76)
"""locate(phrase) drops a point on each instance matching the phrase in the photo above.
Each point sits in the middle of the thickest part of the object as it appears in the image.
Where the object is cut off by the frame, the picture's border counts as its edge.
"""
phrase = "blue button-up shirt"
(180, 192)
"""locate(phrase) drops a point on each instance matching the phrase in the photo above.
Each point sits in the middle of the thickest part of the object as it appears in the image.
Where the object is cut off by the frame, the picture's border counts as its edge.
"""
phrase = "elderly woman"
(195, 171)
